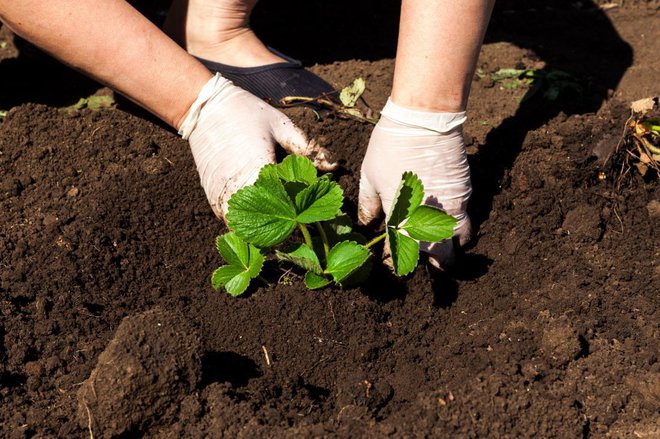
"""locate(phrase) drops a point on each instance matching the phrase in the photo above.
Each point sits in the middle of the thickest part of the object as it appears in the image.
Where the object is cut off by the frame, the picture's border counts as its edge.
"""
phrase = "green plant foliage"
(408, 197)
(409, 222)
(320, 201)
(405, 252)
(315, 281)
(262, 215)
(428, 223)
(93, 102)
(345, 259)
(244, 262)
(290, 196)
(548, 84)
(303, 256)
(295, 168)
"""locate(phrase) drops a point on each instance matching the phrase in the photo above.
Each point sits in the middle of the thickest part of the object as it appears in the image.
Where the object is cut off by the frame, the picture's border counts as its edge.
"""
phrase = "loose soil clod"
(143, 374)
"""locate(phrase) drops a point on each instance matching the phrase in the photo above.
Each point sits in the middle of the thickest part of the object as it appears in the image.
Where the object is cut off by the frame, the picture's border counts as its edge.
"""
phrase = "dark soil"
(548, 327)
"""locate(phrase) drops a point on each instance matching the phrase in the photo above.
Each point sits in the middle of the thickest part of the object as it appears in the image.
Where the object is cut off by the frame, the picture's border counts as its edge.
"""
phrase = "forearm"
(112, 42)
(439, 43)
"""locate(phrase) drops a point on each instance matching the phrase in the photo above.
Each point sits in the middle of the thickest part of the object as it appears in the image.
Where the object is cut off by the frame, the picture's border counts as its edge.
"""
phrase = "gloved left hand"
(232, 135)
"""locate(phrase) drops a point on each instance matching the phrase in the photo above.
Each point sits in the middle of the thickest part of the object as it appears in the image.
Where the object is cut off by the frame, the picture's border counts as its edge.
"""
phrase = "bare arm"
(439, 42)
(112, 42)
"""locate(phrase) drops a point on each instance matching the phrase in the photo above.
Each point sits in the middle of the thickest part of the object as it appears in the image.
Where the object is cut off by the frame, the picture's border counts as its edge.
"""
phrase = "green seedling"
(3, 114)
(93, 102)
(549, 84)
(291, 196)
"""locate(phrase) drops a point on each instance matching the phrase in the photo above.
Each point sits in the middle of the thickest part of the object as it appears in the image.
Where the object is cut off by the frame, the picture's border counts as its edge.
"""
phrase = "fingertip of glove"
(324, 160)
(441, 256)
(365, 216)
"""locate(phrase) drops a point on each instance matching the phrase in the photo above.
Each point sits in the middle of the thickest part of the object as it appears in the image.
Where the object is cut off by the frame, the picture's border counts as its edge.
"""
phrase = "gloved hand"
(233, 134)
(430, 145)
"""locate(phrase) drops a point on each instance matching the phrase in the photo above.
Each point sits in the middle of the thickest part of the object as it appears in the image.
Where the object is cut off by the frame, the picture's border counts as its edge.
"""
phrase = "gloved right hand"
(431, 145)
(232, 134)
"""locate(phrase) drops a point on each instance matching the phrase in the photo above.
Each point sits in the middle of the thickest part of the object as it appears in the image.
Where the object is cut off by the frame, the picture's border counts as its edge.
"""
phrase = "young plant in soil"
(291, 196)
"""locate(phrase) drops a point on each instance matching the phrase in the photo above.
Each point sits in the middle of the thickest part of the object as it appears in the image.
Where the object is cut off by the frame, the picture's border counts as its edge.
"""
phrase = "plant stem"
(263, 279)
(306, 235)
(291, 101)
(376, 240)
(324, 238)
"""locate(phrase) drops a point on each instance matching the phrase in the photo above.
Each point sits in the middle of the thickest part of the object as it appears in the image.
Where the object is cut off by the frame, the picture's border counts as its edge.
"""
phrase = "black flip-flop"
(273, 82)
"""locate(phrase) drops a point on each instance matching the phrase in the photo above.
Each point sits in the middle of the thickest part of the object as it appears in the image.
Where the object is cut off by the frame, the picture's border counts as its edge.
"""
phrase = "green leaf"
(92, 102)
(405, 252)
(268, 175)
(296, 168)
(233, 249)
(350, 94)
(359, 276)
(430, 224)
(256, 262)
(314, 281)
(341, 225)
(506, 74)
(302, 256)
(652, 124)
(408, 197)
(98, 102)
(245, 262)
(293, 188)
(262, 215)
(321, 201)
(233, 278)
(345, 258)
(339, 229)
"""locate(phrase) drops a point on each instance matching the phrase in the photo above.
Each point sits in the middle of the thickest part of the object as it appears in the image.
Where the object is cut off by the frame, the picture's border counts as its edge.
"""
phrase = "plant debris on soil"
(548, 327)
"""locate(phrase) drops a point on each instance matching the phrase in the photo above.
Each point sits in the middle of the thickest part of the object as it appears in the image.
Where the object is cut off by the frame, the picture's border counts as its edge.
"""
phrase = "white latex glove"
(430, 145)
(233, 133)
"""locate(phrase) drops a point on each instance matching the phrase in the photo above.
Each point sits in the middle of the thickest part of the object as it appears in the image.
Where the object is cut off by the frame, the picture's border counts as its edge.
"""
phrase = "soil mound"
(143, 374)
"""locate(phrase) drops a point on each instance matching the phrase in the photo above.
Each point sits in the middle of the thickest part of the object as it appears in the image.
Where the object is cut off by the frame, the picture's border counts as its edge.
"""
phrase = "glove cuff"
(211, 89)
(440, 122)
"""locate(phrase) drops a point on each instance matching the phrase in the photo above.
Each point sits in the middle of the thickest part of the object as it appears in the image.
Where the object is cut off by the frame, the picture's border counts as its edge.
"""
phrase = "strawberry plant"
(290, 196)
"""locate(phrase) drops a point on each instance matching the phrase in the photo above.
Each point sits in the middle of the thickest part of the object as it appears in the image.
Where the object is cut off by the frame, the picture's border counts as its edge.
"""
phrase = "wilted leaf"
(353, 112)
(350, 94)
(643, 105)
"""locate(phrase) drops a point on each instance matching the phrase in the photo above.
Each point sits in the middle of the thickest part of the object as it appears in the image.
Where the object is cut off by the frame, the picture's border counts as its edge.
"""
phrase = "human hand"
(233, 134)
(430, 145)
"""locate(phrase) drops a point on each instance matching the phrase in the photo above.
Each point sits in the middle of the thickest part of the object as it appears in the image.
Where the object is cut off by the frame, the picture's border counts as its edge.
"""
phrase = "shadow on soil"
(228, 367)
